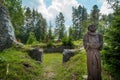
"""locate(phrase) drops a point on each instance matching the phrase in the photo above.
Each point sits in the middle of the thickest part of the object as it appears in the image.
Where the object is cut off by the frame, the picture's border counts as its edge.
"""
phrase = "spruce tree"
(112, 50)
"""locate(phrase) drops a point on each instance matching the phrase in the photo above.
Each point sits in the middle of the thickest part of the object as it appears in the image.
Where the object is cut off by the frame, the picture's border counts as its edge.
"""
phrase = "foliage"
(31, 38)
(41, 28)
(50, 43)
(79, 15)
(111, 51)
(2, 59)
(60, 26)
(34, 22)
(95, 15)
(67, 41)
(50, 34)
(16, 14)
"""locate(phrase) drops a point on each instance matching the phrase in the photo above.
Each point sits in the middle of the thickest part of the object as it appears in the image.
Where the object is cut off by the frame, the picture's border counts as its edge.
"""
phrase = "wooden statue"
(93, 43)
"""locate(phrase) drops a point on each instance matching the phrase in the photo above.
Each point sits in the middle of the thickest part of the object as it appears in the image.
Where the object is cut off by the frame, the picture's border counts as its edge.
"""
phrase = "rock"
(36, 54)
(56, 49)
(67, 54)
(7, 36)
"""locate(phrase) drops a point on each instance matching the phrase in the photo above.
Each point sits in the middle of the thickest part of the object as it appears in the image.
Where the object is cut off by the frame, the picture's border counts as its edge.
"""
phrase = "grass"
(17, 65)
(51, 63)
(54, 69)
(77, 44)
(73, 69)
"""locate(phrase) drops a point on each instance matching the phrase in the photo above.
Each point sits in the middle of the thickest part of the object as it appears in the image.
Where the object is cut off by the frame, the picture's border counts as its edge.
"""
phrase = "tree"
(60, 26)
(71, 32)
(41, 28)
(79, 16)
(111, 54)
(50, 31)
(31, 38)
(35, 23)
(95, 15)
(16, 14)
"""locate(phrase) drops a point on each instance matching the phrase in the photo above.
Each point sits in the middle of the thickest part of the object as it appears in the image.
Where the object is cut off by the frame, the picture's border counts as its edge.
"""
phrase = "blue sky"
(51, 8)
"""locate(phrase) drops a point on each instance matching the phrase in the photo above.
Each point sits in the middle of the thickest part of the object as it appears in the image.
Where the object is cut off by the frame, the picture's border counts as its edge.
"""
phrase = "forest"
(32, 30)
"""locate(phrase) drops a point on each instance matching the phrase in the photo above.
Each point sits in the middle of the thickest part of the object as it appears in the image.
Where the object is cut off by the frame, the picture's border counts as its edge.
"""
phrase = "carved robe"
(93, 43)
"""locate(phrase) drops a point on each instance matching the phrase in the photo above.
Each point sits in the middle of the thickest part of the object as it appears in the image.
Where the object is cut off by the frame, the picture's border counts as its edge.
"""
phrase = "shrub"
(31, 38)
(50, 43)
(2, 59)
(67, 41)
(64, 41)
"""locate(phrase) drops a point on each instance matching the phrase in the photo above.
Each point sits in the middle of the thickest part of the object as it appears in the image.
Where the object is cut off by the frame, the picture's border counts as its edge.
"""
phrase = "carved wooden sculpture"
(93, 43)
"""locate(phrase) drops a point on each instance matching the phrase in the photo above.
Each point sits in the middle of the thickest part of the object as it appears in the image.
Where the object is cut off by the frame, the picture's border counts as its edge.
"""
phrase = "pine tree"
(40, 29)
(95, 15)
(79, 16)
(60, 26)
(112, 50)
(16, 14)
(50, 31)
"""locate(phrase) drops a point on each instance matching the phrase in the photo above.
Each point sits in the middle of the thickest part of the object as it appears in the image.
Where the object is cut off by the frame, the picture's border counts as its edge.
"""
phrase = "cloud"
(105, 8)
(64, 6)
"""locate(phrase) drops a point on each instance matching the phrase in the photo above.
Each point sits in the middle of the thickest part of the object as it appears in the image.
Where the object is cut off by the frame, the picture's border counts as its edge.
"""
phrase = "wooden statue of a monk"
(93, 43)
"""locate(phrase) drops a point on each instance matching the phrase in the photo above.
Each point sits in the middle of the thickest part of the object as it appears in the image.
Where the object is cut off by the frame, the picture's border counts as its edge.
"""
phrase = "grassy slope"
(12, 67)
(73, 69)
(17, 65)
(51, 63)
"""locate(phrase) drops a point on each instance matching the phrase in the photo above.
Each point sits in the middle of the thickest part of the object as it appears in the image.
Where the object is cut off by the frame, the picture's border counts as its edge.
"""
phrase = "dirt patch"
(49, 73)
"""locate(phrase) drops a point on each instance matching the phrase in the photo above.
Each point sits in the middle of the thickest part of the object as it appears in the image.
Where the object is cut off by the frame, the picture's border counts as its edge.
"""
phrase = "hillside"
(17, 65)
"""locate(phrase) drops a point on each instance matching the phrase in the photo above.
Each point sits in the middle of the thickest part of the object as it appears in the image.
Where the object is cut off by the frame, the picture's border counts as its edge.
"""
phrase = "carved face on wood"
(92, 28)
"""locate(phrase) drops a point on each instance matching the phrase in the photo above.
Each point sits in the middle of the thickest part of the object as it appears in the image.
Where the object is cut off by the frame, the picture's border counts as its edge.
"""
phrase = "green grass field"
(17, 65)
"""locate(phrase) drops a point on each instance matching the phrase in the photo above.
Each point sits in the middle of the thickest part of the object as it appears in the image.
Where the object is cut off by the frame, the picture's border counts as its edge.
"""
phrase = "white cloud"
(105, 8)
(64, 6)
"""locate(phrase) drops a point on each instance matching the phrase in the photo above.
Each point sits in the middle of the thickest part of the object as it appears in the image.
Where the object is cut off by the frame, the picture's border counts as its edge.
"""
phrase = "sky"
(51, 8)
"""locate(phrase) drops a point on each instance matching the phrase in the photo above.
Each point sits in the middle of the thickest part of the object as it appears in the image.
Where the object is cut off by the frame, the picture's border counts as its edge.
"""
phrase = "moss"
(13, 67)
(73, 69)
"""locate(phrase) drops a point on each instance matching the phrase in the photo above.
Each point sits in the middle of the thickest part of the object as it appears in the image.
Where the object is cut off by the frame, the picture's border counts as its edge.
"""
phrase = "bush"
(50, 43)
(67, 41)
(31, 38)
(2, 59)
(64, 41)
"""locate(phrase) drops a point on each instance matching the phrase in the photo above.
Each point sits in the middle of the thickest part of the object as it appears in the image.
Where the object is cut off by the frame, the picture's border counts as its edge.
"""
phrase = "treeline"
(27, 21)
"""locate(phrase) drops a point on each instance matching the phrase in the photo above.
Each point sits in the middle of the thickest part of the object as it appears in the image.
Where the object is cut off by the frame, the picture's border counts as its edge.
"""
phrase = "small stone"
(67, 54)
(36, 54)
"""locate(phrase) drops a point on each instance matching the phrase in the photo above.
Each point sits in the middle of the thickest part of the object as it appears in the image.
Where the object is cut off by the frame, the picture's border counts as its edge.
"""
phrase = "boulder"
(7, 36)
(36, 54)
(67, 54)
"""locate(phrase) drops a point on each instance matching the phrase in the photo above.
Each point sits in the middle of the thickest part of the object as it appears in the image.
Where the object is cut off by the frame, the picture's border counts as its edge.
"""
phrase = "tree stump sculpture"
(93, 43)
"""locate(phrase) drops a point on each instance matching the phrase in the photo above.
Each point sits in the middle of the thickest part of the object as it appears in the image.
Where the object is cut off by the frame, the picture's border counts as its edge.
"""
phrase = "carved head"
(92, 28)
